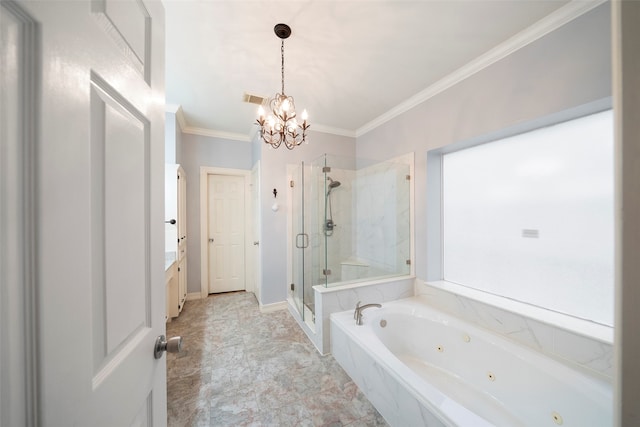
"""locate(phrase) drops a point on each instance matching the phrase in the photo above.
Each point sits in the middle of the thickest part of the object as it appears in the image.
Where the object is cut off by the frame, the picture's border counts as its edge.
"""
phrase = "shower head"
(333, 184)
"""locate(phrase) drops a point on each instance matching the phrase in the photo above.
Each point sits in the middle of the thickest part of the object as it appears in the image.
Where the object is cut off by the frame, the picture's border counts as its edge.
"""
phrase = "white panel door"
(101, 293)
(226, 217)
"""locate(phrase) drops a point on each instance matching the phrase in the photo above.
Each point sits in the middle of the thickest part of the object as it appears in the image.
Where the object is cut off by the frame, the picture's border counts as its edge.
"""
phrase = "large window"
(530, 217)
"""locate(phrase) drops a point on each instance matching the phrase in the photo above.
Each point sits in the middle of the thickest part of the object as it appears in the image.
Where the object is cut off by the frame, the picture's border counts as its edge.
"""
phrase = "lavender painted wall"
(273, 174)
(198, 150)
(567, 68)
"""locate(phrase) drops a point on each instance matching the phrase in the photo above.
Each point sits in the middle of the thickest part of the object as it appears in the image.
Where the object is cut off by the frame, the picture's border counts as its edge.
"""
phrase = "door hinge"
(326, 272)
(178, 268)
(408, 177)
(291, 184)
(408, 262)
(326, 169)
(293, 286)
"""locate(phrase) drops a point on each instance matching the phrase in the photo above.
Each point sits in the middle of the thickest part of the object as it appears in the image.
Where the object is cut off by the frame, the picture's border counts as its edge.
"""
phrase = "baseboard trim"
(193, 296)
(268, 308)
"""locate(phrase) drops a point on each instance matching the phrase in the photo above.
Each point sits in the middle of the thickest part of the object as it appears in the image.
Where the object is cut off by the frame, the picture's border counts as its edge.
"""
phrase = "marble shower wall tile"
(382, 216)
(574, 349)
(339, 244)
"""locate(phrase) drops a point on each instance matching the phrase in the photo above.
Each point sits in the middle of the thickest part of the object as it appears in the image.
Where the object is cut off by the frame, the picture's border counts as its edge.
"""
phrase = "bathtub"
(422, 367)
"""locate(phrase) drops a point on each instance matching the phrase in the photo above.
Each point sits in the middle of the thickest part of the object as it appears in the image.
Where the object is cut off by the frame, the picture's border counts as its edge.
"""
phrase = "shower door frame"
(299, 239)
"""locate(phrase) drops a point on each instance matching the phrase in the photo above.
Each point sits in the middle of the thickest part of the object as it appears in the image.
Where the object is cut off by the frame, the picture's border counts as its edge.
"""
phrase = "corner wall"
(173, 135)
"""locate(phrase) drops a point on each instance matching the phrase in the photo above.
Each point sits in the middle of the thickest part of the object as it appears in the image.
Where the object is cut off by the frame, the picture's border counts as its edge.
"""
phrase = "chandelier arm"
(272, 138)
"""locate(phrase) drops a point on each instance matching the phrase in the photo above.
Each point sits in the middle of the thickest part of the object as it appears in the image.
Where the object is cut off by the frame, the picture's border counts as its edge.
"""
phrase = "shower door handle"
(302, 240)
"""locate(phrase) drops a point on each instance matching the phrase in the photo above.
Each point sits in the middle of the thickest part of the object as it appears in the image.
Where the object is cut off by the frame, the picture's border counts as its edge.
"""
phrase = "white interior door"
(226, 228)
(100, 223)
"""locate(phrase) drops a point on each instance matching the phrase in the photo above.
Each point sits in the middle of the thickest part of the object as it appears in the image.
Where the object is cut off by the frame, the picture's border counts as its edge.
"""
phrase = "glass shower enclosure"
(350, 222)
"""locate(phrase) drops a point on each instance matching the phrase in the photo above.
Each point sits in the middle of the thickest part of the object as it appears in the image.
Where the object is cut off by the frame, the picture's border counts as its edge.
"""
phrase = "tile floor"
(241, 367)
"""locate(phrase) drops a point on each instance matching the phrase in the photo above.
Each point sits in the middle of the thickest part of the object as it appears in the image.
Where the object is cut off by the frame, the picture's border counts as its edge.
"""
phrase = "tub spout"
(357, 314)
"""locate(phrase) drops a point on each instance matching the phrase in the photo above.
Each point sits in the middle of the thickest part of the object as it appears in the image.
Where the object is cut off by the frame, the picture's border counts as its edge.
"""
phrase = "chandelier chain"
(282, 65)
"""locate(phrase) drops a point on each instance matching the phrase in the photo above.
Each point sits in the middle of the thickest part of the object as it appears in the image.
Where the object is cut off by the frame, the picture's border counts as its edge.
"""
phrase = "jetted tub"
(422, 367)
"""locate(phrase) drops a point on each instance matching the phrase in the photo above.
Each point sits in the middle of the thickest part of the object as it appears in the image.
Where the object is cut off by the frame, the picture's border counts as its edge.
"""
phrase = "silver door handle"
(210, 240)
(173, 345)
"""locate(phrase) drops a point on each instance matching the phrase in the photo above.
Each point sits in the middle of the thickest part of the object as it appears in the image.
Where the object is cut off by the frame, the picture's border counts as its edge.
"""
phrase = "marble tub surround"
(241, 367)
(592, 352)
(417, 363)
(332, 300)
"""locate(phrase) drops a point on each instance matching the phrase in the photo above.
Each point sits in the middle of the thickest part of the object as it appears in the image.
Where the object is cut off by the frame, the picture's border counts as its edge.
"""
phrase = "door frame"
(256, 227)
(205, 171)
(19, 288)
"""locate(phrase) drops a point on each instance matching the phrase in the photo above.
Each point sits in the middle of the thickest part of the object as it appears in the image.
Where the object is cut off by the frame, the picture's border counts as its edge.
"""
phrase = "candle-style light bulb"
(261, 113)
(305, 115)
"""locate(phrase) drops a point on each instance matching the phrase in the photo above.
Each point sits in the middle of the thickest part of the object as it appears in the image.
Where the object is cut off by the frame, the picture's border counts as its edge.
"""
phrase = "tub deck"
(419, 366)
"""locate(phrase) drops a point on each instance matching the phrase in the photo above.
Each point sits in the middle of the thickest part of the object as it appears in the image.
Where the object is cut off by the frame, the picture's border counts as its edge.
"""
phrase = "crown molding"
(216, 134)
(177, 110)
(546, 25)
(250, 137)
(333, 131)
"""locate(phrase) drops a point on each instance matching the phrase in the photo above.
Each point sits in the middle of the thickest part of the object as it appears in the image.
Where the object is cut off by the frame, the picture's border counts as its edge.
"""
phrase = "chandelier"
(281, 125)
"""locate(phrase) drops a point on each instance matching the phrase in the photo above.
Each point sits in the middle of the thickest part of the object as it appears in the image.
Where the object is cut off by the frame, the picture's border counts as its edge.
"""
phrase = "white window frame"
(435, 238)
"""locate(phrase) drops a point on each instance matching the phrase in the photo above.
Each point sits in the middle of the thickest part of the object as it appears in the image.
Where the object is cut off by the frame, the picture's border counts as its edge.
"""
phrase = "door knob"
(210, 240)
(256, 243)
(173, 345)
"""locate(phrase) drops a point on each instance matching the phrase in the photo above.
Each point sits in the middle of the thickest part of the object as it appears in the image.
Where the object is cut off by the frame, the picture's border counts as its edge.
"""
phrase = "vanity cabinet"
(182, 282)
(171, 279)
(176, 238)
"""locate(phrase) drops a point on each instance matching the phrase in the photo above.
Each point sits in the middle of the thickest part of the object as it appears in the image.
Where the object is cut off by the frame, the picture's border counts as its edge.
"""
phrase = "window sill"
(587, 328)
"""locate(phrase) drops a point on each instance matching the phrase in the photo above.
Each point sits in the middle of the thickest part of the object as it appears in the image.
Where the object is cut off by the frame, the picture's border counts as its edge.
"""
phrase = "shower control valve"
(329, 225)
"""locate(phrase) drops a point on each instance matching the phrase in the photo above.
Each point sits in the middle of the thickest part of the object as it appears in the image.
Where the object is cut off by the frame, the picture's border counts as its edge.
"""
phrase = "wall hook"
(275, 206)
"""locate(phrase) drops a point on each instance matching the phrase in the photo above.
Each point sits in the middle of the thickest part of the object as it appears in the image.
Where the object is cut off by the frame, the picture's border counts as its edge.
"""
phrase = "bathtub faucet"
(357, 314)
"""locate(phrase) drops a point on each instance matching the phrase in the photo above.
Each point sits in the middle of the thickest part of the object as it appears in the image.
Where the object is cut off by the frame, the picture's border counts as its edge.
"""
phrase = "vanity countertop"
(169, 259)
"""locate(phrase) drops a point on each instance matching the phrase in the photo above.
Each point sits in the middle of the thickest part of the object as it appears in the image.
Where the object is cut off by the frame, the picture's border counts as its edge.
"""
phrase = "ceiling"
(347, 62)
